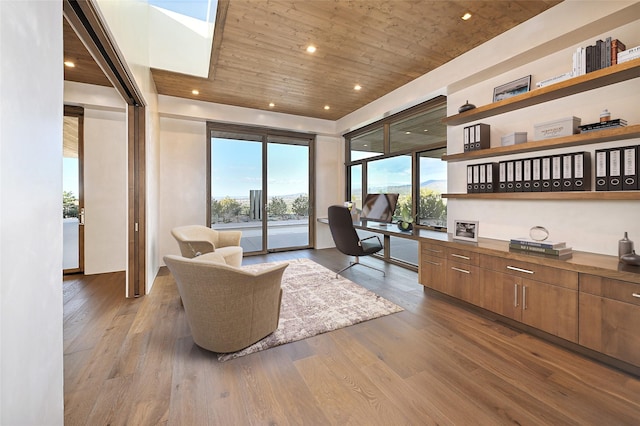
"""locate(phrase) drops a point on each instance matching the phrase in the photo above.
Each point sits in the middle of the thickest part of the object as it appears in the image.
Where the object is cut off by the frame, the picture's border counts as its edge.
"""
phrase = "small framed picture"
(516, 87)
(466, 230)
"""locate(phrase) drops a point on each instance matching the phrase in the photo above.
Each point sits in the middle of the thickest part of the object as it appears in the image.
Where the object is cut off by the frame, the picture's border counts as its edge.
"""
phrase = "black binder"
(536, 174)
(630, 168)
(491, 176)
(602, 166)
(517, 176)
(526, 175)
(502, 176)
(615, 169)
(556, 173)
(469, 179)
(567, 172)
(582, 171)
(476, 178)
(483, 177)
(510, 176)
(545, 171)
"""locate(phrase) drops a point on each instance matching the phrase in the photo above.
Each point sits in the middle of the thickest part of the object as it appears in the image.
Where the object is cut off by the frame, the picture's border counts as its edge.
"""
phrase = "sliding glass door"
(260, 184)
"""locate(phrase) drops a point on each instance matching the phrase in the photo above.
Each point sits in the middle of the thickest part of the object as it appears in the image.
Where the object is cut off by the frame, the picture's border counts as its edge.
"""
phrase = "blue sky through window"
(203, 10)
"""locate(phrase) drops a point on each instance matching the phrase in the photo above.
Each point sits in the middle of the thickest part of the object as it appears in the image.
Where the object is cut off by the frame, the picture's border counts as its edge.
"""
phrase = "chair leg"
(357, 262)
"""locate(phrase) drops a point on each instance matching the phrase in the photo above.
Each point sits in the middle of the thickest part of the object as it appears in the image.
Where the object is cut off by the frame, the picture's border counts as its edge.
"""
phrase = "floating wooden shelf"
(568, 195)
(593, 80)
(618, 133)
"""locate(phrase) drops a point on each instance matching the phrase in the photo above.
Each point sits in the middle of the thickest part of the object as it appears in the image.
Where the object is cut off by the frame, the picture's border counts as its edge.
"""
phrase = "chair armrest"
(229, 238)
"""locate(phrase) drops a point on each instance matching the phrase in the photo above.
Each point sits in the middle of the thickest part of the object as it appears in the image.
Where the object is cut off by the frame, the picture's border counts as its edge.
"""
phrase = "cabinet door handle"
(515, 295)
(524, 297)
(432, 250)
(432, 263)
(460, 270)
(526, 271)
(460, 256)
(636, 295)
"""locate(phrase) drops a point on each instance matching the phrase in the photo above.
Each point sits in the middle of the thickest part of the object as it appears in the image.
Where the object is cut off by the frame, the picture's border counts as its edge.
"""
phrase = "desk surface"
(391, 229)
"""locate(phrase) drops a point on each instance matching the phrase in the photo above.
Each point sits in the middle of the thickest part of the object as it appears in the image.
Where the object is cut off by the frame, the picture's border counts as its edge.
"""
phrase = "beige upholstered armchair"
(196, 240)
(227, 308)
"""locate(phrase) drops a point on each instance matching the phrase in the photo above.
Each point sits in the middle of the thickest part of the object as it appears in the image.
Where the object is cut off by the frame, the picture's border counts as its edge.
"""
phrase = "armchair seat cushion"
(232, 255)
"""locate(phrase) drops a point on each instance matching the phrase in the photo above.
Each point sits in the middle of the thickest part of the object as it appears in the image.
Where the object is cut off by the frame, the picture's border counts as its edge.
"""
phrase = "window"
(401, 153)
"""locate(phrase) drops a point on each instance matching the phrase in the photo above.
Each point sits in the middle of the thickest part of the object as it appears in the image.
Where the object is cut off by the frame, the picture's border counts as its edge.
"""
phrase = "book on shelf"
(555, 245)
(556, 79)
(624, 59)
(563, 256)
(616, 47)
(542, 250)
(618, 122)
(629, 52)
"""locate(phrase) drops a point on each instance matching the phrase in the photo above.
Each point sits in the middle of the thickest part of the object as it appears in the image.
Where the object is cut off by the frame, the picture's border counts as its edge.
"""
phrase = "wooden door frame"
(87, 22)
(78, 112)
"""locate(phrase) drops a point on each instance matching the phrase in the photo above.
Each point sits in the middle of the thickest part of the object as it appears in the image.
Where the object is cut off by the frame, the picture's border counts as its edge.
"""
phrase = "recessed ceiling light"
(271, 104)
(69, 64)
(407, 133)
(195, 92)
(327, 107)
(466, 16)
(311, 48)
(357, 87)
(425, 130)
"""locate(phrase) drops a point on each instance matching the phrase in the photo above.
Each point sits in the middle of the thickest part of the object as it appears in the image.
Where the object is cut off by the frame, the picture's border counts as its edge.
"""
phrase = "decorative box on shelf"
(513, 138)
(557, 128)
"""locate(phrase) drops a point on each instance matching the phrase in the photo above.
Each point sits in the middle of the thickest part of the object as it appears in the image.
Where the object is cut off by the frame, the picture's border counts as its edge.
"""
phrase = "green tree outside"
(300, 206)
(277, 207)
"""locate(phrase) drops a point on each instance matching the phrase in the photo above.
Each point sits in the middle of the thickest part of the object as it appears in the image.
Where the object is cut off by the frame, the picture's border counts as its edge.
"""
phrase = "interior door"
(73, 191)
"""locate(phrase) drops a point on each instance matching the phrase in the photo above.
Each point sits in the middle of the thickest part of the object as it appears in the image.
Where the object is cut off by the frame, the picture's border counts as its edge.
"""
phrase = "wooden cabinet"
(610, 317)
(432, 272)
(589, 301)
(463, 275)
(549, 302)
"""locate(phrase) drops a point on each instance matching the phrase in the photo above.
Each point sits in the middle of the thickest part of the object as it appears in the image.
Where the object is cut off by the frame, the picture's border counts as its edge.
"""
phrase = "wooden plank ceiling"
(259, 51)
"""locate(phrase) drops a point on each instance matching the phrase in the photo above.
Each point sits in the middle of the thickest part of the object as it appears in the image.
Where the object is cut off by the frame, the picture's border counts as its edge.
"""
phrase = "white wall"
(31, 108)
(183, 162)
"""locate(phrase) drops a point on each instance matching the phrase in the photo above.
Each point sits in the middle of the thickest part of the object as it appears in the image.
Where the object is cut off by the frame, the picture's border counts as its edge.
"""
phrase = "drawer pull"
(636, 295)
(526, 271)
(460, 270)
(460, 256)
(432, 250)
(432, 263)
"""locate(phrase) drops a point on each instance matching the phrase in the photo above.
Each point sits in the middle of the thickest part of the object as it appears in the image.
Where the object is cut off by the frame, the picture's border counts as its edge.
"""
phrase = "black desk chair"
(347, 239)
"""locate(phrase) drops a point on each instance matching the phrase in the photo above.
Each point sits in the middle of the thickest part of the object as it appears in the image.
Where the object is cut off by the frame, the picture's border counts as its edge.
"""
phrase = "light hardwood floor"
(133, 362)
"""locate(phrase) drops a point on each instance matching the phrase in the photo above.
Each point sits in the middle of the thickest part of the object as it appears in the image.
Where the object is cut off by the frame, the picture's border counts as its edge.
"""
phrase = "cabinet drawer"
(463, 282)
(532, 271)
(433, 273)
(431, 249)
(622, 291)
(463, 256)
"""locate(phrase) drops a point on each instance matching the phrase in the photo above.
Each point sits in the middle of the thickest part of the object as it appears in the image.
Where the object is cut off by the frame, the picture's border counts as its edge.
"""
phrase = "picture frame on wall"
(466, 230)
(513, 88)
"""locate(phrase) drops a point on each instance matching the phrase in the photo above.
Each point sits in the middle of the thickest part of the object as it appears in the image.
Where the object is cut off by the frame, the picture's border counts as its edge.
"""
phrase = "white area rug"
(314, 301)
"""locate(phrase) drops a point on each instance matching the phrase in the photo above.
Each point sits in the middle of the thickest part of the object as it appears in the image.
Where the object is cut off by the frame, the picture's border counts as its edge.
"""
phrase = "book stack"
(600, 55)
(602, 125)
(629, 55)
(550, 249)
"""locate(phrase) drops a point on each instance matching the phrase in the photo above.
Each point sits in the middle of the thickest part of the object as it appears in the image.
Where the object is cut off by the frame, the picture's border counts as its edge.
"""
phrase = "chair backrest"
(343, 232)
(227, 308)
(194, 239)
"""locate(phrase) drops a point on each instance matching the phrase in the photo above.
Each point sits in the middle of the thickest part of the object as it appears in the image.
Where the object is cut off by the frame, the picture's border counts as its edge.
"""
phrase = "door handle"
(524, 297)
(81, 217)
(515, 295)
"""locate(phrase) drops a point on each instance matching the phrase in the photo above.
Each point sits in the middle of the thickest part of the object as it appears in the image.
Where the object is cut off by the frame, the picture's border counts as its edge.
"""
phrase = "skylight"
(203, 10)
